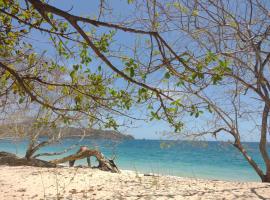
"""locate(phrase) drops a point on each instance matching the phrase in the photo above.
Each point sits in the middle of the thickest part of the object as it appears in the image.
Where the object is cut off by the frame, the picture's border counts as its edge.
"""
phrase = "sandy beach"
(83, 183)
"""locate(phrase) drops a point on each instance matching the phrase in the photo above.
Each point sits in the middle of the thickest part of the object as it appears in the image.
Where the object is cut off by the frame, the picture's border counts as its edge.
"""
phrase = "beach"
(26, 182)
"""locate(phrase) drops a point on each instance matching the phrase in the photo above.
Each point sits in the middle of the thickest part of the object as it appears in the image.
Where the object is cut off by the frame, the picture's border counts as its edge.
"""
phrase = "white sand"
(82, 183)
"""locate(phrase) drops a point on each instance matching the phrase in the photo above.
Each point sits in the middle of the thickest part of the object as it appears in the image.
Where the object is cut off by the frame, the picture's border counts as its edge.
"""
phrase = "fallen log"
(11, 159)
(104, 163)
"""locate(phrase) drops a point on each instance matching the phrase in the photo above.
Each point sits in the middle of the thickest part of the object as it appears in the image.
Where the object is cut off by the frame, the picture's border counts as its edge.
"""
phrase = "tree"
(216, 65)
(225, 45)
(31, 77)
(32, 124)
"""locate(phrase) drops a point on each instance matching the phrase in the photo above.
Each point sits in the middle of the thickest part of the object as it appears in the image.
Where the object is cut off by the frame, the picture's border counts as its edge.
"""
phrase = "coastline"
(180, 159)
(84, 183)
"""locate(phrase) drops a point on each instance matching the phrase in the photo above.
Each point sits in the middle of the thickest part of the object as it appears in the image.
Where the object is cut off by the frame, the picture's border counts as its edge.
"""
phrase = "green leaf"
(177, 103)
(131, 72)
(51, 87)
(76, 67)
(209, 108)
(167, 75)
(210, 57)
(180, 83)
(142, 91)
(216, 78)
(195, 13)
(21, 100)
(154, 116)
(73, 75)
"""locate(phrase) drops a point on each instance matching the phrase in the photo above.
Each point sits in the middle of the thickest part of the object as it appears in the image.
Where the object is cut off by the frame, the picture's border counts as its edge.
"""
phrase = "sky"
(140, 129)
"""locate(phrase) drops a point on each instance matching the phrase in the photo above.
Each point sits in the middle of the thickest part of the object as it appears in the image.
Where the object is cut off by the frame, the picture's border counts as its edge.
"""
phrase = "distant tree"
(208, 59)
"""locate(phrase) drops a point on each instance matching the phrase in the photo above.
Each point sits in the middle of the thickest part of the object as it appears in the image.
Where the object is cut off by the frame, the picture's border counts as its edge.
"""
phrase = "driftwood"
(12, 160)
(104, 163)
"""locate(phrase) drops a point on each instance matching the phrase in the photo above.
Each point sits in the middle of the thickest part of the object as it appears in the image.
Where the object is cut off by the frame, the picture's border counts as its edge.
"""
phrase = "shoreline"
(161, 172)
(83, 183)
(182, 159)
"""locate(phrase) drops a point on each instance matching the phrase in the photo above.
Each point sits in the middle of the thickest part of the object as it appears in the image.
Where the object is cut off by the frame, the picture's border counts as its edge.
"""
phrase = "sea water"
(208, 160)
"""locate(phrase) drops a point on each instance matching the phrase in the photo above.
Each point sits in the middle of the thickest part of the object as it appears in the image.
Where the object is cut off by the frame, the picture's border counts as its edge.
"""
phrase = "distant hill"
(9, 131)
(96, 134)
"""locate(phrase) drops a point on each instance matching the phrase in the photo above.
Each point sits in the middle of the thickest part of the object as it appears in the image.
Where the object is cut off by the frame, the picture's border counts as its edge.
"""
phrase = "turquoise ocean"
(207, 160)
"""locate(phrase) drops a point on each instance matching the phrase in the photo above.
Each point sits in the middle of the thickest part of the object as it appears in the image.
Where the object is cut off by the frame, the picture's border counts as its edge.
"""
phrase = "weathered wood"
(12, 160)
(104, 163)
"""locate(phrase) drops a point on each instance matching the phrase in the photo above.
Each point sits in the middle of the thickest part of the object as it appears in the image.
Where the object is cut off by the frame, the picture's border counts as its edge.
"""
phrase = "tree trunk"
(32, 149)
(104, 163)
(266, 178)
(263, 143)
(258, 170)
(29, 153)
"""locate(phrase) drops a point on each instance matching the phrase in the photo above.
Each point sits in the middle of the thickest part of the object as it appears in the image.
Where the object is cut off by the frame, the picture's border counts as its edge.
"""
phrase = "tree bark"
(267, 176)
(258, 170)
(12, 160)
(32, 149)
(263, 143)
(104, 163)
